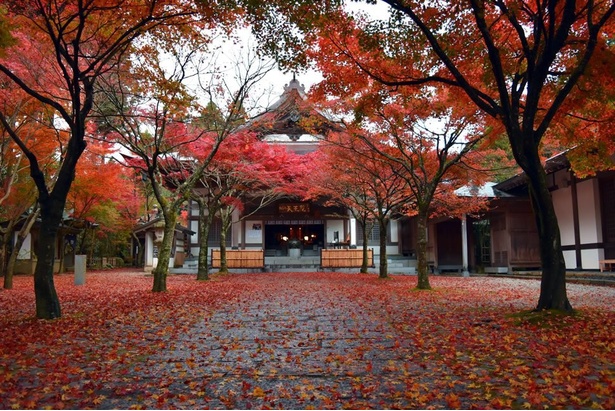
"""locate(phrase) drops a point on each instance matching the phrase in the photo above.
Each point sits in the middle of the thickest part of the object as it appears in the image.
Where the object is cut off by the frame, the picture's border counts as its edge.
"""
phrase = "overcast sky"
(272, 86)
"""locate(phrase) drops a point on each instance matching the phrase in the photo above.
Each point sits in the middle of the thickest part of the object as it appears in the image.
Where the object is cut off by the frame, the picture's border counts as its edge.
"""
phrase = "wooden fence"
(345, 258)
(239, 258)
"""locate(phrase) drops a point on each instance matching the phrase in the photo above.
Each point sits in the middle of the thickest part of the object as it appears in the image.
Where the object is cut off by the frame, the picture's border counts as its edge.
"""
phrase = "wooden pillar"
(464, 246)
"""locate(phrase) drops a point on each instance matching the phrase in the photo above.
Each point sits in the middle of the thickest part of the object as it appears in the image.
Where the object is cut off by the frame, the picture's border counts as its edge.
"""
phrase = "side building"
(585, 209)
(504, 237)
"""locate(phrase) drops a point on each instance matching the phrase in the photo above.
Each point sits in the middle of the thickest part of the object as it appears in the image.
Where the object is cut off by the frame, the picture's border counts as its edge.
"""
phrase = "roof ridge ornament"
(295, 85)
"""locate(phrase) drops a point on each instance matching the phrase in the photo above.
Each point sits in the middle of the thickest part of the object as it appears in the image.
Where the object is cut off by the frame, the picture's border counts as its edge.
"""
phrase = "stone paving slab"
(294, 350)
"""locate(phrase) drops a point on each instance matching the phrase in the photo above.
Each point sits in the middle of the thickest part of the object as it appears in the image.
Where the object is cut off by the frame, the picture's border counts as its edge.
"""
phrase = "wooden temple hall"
(289, 229)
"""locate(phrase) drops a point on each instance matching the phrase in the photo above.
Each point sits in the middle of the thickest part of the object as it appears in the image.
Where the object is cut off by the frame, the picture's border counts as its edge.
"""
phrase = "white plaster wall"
(391, 250)
(590, 222)
(236, 230)
(335, 225)
(155, 262)
(25, 252)
(194, 226)
(353, 231)
(194, 210)
(562, 202)
(394, 232)
(570, 259)
(591, 258)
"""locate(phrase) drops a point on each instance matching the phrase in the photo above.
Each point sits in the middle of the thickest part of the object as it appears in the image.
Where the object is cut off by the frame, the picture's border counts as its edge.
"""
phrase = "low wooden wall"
(606, 265)
(345, 258)
(239, 258)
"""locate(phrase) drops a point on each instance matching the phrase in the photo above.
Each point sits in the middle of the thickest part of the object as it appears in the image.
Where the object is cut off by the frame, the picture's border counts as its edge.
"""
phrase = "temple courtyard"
(305, 340)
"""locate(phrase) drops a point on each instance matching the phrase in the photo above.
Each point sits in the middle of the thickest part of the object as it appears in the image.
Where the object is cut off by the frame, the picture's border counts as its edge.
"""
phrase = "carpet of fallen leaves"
(304, 340)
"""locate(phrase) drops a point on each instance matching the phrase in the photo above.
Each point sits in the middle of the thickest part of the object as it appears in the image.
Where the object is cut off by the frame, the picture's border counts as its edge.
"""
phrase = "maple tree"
(370, 184)
(169, 143)
(332, 182)
(102, 200)
(526, 66)
(262, 173)
(60, 52)
(154, 152)
(208, 202)
(5, 34)
(14, 201)
(18, 206)
(245, 175)
(428, 142)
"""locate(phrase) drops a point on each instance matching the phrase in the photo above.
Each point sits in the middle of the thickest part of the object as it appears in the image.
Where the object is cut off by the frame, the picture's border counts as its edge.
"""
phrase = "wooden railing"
(239, 258)
(345, 258)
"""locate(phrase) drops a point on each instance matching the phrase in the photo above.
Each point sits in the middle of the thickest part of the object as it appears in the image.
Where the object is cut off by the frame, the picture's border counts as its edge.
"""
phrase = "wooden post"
(464, 246)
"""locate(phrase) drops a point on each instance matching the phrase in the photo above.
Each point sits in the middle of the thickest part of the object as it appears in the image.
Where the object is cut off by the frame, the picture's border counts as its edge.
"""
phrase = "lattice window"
(482, 234)
(373, 233)
(214, 234)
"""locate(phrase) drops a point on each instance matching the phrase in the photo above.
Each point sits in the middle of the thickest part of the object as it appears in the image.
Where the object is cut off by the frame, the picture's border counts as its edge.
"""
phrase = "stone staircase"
(310, 263)
(397, 264)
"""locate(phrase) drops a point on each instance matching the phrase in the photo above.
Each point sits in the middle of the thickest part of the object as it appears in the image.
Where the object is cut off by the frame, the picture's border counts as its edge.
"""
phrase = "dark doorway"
(482, 244)
(449, 242)
(277, 236)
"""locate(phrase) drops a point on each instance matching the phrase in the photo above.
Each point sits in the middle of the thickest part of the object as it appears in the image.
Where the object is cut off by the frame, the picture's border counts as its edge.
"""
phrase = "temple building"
(313, 224)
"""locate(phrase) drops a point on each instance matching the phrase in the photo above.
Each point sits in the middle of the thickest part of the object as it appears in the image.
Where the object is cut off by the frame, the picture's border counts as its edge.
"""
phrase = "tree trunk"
(61, 255)
(421, 253)
(8, 284)
(223, 263)
(365, 243)
(47, 302)
(553, 282)
(7, 234)
(164, 252)
(384, 266)
(205, 221)
(140, 248)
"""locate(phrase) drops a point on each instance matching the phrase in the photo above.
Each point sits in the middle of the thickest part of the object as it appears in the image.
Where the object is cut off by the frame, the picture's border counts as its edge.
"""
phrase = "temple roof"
(292, 118)
(292, 91)
(552, 164)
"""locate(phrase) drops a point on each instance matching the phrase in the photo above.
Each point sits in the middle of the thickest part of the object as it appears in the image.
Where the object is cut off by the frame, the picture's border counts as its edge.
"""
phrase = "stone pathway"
(291, 349)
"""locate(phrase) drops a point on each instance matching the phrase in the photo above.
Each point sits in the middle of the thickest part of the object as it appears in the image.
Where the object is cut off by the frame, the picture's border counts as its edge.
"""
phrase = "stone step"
(312, 263)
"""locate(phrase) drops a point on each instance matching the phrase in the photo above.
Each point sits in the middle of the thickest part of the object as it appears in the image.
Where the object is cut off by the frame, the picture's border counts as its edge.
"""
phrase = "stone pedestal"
(80, 265)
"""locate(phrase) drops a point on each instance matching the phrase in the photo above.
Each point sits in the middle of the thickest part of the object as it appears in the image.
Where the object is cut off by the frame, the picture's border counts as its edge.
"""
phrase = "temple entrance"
(307, 236)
